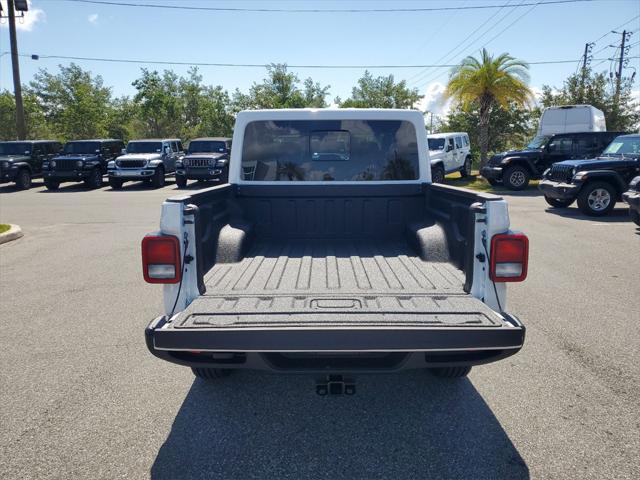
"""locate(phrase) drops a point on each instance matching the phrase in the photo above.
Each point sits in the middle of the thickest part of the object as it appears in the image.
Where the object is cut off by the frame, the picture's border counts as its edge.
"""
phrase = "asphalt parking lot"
(82, 398)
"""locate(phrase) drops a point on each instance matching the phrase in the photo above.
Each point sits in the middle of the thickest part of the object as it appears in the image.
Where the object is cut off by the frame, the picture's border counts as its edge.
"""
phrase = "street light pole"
(21, 128)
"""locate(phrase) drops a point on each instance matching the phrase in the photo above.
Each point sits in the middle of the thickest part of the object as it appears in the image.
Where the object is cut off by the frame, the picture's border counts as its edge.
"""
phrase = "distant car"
(149, 160)
(81, 160)
(632, 197)
(448, 153)
(206, 159)
(515, 168)
(598, 183)
(21, 161)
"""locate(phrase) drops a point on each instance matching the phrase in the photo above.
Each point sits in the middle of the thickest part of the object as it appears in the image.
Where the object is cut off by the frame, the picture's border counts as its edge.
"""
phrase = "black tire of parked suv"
(158, 178)
(210, 373)
(23, 180)
(635, 217)
(115, 183)
(95, 179)
(555, 203)
(52, 184)
(593, 196)
(465, 171)
(437, 174)
(181, 181)
(450, 372)
(493, 182)
(516, 177)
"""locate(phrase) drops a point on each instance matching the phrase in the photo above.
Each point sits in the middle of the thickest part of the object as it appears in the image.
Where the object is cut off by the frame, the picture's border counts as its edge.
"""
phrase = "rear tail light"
(509, 257)
(161, 259)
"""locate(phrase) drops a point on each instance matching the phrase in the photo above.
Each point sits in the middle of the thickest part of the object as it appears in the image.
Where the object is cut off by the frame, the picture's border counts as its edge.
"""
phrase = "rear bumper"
(633, 199)
(200, 174)
(559, 191)
(491, 173)
(132, 174)
(271, 349)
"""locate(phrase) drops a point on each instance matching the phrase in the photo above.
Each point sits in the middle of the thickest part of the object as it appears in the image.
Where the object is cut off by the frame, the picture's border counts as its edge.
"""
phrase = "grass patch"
(476, 182)
(4, 227)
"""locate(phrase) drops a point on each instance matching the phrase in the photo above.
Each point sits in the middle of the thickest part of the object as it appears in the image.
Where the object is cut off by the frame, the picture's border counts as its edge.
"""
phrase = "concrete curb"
(13, 233)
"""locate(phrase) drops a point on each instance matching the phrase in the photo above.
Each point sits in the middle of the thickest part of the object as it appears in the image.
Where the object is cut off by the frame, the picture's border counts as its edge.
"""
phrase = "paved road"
(82, 398)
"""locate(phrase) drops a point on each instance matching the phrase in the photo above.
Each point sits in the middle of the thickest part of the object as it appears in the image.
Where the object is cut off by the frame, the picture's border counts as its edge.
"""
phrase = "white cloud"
(93, 18)
(26, 23)
(434, 101)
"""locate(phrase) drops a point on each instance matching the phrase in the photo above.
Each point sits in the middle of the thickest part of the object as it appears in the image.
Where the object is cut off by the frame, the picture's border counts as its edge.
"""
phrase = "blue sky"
(546, 32)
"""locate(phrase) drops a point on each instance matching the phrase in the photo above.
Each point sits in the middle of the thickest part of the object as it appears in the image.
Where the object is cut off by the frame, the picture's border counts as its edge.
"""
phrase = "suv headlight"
(5, 164)
(578, 175)
(178, 163)
(111, 164)
(53, 164)
(79, 163)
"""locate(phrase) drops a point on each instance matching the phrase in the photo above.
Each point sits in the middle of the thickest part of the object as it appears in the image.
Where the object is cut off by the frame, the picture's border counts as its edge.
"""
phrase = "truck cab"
(330, 251)
(449, 152)
(148, 160)
(21, 161)
(207, 159)
(81, 160)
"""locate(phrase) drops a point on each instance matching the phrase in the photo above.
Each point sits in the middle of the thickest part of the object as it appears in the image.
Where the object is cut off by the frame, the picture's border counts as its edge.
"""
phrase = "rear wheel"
(450, 372)
(115, 184)
(597, 199)
(466, 168)
(635, 217)
(158, 178)
(52, 184)
(555, 203)
(23, 180)
(437, 174)
(181, 181)
(516, 177)
(95, 179)
(210, 373)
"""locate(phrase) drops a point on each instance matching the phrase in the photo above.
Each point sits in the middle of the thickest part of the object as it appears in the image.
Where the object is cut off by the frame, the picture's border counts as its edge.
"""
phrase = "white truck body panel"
(570, 119)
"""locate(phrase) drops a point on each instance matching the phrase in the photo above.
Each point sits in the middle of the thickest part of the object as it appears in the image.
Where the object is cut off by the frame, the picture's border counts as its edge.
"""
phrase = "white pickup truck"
(331, 251)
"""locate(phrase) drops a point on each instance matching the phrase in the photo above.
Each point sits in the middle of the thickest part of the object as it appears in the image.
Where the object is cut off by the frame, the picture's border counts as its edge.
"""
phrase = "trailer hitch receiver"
(335, 385)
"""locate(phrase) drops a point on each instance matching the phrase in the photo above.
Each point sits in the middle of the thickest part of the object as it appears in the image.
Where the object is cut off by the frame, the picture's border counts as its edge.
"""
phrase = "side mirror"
(123, 151)
(167, 150)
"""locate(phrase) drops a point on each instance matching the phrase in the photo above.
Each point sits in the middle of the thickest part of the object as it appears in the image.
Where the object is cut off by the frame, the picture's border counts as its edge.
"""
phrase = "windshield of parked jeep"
(623, 146)
(15, 148)
(144, 147)
(538, 142)
(436, 143)
(208, 146)
(82, 147)
(330, 150)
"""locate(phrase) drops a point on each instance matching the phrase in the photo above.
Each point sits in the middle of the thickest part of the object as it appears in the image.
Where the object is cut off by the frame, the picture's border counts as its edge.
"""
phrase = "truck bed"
(334, 282)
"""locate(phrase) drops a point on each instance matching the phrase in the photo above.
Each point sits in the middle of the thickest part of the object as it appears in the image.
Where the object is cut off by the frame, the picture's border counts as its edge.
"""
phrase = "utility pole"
(585, 63)
(616, 97)
(21, 128)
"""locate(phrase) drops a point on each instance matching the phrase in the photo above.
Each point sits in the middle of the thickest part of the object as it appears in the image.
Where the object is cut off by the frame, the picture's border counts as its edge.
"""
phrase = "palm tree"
(489, 82)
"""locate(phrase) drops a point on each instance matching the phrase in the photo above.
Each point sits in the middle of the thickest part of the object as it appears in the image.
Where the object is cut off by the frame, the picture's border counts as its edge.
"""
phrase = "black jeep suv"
(516, 167)
(598, 183)
(22, 160)
(81, 160)
(206, 159)
(632, 197)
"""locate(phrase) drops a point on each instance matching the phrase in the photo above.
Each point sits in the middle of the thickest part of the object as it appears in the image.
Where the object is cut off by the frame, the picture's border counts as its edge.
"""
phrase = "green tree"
(75, 104)
(380, 92)
(594, 89)
(37, 126)
(281, 89)
(159, 104)
(489, 82)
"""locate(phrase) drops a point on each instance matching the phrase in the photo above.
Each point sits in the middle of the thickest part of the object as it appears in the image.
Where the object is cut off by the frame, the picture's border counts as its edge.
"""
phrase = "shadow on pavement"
(617, 215)
(409, 425)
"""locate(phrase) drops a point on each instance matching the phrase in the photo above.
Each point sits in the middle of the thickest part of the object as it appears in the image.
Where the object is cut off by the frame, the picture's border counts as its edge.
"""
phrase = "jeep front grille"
(196, 162)
(131, 163)
(561, 173)
(65, 164)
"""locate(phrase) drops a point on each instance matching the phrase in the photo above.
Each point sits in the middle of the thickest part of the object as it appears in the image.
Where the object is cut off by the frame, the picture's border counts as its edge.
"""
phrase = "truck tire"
(597, 198)
(52, 184)
(450, 372)
(158, 178)
(181, 181)
(115, 183)
(95, 179)
(555, 203)
(210, 373)
(516, 177)
(635, 217)
(437, 174)
(23, 180)
(465, 171)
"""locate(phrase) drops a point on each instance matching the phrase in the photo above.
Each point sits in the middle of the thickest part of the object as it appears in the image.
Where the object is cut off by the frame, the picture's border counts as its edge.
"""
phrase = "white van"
(571, 119)
(449, 152)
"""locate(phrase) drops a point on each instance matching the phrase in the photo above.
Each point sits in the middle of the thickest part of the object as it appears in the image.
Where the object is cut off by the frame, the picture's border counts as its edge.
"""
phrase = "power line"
(313, 10)
(262, 65)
